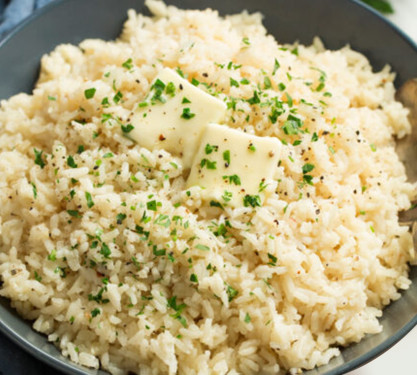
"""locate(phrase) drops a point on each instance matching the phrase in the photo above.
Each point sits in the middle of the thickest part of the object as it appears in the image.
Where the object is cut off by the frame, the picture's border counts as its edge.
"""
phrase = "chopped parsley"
(163, 220)
(95, 312)
(252, 200)
(35, 190)
(382, 6)
(52, 255)
(74, 213)
(307, 168)
(272, 260)
(208, 164)
(227, 196)
(246, 41)
(216, 204)
(262, 186)
(210, 148)
(254, 99)
(202, 247)
(158, 253)
(232, 179)
(105, 250)
(194, 278)
(226, 157)
(89, 93)
(120, 217)
(128, 64)
(187, 114)
(151, 205)
(38, 158)
(89, 199)
(233, 83)
(99, 297)
(247, 318)
(71, 163)
(231, 292)
(170, 89)
(127, 128)
(267, 83)
(37, 277)
(292, 125)
(276, 67)
(172, 303)
(117, 97)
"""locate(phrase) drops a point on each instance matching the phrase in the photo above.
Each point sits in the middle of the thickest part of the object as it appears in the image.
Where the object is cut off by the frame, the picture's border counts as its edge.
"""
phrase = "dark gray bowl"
(336, 22)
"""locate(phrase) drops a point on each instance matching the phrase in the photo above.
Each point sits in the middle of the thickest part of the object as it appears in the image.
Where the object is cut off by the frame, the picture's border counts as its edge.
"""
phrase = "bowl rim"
(72, 368)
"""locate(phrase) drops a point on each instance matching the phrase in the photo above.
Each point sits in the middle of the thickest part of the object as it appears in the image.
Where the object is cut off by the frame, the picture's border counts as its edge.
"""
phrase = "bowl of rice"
(196, 189)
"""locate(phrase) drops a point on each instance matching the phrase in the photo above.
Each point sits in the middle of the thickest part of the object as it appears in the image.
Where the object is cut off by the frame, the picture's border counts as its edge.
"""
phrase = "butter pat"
(231, 165)
(174, 116)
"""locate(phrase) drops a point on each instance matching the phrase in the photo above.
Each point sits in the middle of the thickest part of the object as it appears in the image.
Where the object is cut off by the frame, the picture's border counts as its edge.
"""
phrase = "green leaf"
(382, 6)
(255, 98)
(89, 199)
(105, 250)
(37, 277)
(231, 292)
(128, 64)
(95, 312)
(202, 247)
(120, 217)
(35, 190)
(234, 82)
(267, 83)
(38, 158)
(208, 164)
(273, 259)
(252, 200)
(74, 213)
(210, 148)
(127, 129)
(151, 205)
(186, 114)
(52, 256)
(232, 179)
(276, 67)
(89, 93)
(117, 97)
(71, 163)
(307, 168)
(170, 89)
(159, 253)
(226, 157)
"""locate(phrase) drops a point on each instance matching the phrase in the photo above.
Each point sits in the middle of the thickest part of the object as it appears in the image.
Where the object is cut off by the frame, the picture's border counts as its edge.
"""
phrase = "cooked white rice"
(282, 286)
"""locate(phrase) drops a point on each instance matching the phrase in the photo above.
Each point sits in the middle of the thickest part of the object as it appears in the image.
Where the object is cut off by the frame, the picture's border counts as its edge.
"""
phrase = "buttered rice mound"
(105, 248)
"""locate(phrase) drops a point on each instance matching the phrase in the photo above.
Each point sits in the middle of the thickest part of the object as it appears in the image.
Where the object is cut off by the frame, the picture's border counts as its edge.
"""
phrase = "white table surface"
(400, 359)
